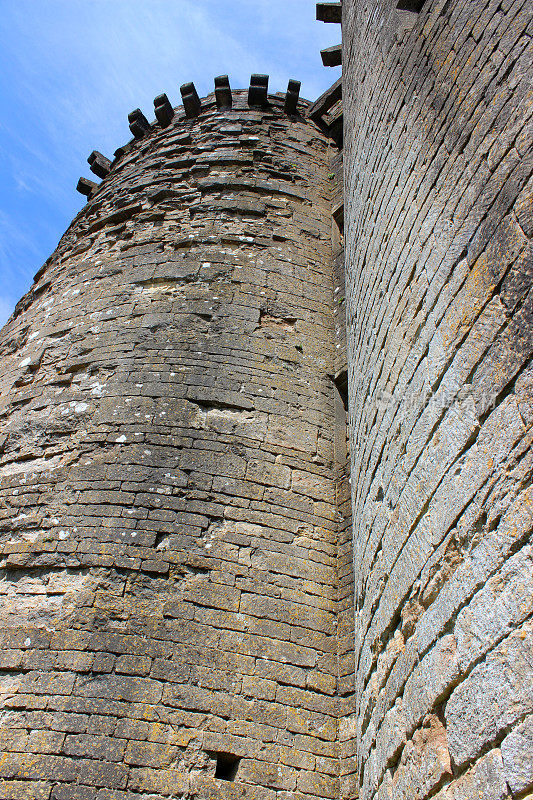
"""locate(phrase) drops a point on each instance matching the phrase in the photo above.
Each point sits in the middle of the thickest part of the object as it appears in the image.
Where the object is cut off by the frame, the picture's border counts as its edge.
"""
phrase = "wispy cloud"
(14, 280)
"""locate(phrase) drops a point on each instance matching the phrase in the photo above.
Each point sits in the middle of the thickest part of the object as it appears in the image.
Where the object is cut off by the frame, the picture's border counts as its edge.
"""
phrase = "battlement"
(223, 100)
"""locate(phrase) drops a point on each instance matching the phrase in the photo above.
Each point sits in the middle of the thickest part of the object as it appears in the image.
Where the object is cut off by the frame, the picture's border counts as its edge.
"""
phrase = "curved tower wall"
(166, 478)
(437, 109)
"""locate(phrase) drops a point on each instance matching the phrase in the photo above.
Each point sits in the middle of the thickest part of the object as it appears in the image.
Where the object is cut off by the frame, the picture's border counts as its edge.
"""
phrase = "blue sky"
(71, 70)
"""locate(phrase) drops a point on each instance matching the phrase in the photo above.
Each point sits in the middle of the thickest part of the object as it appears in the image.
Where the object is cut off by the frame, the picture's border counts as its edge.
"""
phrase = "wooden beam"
(329, 12)
(332, 56)
(410, 5)
(326, 101)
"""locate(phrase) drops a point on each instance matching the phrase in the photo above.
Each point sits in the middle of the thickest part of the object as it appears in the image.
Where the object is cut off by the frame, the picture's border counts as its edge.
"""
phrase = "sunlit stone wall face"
(167, 489)
(437, 106)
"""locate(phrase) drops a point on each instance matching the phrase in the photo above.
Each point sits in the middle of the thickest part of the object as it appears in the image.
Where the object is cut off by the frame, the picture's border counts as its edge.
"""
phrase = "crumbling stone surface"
(168, 477)
(438, 163)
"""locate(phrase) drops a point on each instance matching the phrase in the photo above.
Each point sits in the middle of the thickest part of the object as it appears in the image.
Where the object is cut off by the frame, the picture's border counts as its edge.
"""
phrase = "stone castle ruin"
(265, 439)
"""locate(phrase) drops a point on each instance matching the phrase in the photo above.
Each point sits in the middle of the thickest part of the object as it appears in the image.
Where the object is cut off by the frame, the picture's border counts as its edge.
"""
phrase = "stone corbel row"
(192, 105)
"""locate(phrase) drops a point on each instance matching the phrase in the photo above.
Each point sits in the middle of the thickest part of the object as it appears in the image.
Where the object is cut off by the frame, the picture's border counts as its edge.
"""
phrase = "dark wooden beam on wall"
(329, 12)
(326, 100)
(410, 5)
(332, 56)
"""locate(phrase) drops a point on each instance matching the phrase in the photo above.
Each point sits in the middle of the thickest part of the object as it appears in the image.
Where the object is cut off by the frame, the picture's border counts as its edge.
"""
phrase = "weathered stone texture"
(438, 163)
(168, 477)
(183, 539)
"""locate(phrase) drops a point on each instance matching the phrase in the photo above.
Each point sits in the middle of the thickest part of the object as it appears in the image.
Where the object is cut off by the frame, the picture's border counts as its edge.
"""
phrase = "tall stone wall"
(437, 107)
(167, 478)
(176, 577)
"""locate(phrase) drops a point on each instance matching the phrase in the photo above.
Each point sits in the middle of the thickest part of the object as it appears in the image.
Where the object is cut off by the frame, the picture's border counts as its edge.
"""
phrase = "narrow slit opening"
(341, 383)
(410, 5)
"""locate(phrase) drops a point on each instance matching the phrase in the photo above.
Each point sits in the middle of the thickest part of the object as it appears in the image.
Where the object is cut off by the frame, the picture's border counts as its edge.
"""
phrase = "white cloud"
(12, 237)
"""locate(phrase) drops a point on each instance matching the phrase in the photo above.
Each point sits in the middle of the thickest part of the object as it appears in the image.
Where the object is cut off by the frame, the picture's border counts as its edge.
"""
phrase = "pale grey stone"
(485, 781)
(437, 670)
(517, 754)
(496, 694)
(504, 602)
(425, 762)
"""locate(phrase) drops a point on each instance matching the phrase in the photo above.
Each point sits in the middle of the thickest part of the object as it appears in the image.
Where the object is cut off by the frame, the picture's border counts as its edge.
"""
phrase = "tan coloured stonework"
(182, 543)
(168, 477)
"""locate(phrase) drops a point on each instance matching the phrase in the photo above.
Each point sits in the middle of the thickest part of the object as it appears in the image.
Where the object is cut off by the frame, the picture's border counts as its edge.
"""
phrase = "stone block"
(485, 779)
(133, 665)
(437, 670)
(40, 741)
(292, 96)
(424, 763)
(13, 740)
(497, 693)
(323, 786)
(150, 754)
(191, 101)
(332, 56)
(104, 748)
(270, 474)
(517, 750)
(213, 789)
(87, 187)
(167, 782)
(163, 110)
(258, 90)
(72, 792)
(99, 164)
(120, 687)
(54, 683)
(139, 125)
(497, 609)
(274, 776)
(329, 12)
(224, 98)
(26, 790)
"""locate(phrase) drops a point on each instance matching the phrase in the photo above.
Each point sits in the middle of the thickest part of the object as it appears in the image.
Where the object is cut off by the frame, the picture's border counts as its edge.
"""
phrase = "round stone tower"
(166, 483)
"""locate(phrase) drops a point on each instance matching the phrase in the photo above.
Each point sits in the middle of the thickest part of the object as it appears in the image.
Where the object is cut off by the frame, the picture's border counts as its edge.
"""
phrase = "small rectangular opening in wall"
(338, 216)
(410, 5)
(227, 766)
